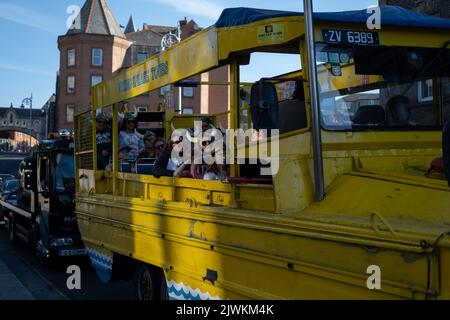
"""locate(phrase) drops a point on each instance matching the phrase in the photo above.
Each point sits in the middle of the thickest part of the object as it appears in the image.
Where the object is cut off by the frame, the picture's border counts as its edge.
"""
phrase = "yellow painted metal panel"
(251, 36)
(190, 57)
(301, 265)
(380, 140)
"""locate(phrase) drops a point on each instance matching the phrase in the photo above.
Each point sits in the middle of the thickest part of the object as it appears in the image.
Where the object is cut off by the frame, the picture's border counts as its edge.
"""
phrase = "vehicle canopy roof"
(390, 15)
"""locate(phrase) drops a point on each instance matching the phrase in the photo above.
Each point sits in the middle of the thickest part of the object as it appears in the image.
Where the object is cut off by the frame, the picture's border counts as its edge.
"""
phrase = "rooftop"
(95, 17)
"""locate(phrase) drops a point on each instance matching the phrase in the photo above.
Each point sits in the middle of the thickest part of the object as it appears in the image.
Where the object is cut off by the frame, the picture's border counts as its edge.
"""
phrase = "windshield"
(64, 172)
(386, 88)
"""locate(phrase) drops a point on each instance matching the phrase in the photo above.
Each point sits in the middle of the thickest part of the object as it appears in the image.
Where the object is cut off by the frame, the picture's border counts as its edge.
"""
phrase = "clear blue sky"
(29, 56)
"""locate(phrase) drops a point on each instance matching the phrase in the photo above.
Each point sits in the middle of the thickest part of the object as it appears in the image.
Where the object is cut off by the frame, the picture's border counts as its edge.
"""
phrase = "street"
(49, 283)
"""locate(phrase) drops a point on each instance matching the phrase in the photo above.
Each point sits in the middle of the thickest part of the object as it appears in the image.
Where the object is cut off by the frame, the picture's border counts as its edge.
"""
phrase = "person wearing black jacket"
(160, 168)
(104, 142)
(165, 166)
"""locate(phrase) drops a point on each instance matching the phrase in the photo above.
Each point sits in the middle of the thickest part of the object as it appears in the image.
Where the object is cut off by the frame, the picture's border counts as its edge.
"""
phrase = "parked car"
(9, 189)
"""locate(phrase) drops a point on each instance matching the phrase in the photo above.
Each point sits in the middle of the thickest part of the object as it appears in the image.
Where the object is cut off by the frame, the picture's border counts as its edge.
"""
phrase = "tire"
(12, 230)
(148, 283)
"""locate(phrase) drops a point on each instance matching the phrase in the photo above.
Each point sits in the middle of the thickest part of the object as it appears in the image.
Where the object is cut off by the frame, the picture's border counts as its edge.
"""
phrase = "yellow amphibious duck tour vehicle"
(362, 217)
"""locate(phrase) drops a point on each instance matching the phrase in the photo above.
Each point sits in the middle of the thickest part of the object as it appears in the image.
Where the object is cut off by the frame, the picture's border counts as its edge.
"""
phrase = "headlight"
(63, 242)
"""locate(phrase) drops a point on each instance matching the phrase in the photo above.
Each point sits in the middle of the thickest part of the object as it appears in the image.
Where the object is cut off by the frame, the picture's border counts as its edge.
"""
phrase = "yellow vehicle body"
(216, 240)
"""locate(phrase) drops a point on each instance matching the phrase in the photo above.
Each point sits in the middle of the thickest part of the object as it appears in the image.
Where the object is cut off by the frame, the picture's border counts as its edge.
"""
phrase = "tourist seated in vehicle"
(207, 124)
(292, 113)
(166, 165)
(145, 163)
(104, 141)
(159, 146)
(124, 151)
(398, 111)
(149, 146)
(186, 169)
(128, 136)
(217, 170)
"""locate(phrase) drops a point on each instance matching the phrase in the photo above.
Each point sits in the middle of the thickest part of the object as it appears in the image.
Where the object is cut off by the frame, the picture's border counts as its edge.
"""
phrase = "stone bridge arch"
(18, 120)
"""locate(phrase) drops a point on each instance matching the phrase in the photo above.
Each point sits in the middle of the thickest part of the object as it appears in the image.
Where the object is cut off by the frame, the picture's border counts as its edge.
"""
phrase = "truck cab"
(45, 216)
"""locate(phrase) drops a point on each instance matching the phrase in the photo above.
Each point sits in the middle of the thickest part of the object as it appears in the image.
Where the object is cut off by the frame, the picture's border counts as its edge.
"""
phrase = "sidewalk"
(10, 287)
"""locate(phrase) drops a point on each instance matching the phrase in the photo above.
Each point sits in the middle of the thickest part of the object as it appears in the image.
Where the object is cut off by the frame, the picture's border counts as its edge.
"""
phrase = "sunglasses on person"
(206, 143)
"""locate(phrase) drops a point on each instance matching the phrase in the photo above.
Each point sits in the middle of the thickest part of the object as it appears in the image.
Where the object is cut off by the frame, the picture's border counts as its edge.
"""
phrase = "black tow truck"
(44, 214)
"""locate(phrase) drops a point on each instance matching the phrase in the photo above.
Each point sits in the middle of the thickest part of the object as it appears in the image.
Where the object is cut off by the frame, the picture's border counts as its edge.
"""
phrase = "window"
(141, 57)
(425, 90)
(142, 108)
(358, 93)
(96, 80)
(70, 109)
(64, 173)
(188, 111)
(71, 59)
(164, 90)
(71, 84)
(97, 57)
(188, 92)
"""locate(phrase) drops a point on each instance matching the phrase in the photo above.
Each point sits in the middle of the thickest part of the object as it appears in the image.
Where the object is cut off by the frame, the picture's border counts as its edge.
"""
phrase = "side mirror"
(264, 105)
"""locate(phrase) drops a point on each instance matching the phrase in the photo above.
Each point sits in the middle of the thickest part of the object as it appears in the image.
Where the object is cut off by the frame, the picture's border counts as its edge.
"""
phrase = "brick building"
(95, 47)
(440, 8)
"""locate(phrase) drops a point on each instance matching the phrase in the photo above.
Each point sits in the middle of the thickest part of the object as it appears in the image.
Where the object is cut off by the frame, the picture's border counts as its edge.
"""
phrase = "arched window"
(11, 118)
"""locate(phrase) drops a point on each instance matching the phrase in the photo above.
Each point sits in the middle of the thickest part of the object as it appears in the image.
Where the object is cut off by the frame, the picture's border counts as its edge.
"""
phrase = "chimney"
(183, 22)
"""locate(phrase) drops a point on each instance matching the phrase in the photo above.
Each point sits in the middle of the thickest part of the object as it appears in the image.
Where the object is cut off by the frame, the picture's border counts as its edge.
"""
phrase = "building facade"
(21, 124)
(439, 8)
(95, 48)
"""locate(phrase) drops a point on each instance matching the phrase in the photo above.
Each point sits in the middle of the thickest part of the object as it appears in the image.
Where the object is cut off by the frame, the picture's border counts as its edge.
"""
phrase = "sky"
(29, 55)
